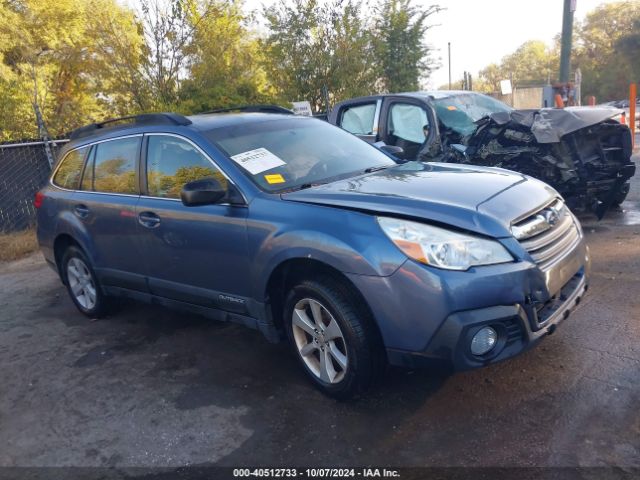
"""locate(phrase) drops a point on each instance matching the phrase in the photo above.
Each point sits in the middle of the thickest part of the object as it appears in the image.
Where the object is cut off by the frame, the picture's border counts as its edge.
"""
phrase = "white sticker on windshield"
(258, 160)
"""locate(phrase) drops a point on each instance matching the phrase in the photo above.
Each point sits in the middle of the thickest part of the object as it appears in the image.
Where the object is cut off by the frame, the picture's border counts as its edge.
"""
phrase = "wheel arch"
(290, 271)
(60, 245)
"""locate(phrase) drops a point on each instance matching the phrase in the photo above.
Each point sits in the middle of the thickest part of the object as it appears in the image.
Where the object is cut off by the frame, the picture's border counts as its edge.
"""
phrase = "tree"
(54, 67)
(16, 112)
(403, 55)
(533, 62)
(120, 50)
(606, 73)
(313, 46)
(168, 27)
(629, 45)
(227, 63)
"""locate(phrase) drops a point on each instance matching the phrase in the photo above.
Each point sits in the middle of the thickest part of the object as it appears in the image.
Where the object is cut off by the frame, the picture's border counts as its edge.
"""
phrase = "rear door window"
(359, 119)
(172, 162)
(68, 173)
(407, 121)
(114, 166)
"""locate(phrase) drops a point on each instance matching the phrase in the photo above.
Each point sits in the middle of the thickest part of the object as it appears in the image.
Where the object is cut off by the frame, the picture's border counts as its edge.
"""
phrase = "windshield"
(460, 112)
(294, 152)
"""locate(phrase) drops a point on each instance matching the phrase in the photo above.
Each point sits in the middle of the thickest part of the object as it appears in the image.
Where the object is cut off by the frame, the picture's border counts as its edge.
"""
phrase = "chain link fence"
(24, 169)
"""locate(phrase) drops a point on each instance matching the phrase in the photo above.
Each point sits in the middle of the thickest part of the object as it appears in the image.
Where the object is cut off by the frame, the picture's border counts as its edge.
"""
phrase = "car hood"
(478, 199)
(549, 125)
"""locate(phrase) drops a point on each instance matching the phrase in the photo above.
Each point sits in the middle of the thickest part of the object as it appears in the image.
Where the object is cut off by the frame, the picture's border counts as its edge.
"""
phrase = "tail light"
(37, 201)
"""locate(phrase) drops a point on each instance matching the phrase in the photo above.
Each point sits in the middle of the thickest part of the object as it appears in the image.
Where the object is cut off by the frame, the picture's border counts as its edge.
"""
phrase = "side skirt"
(267, 329)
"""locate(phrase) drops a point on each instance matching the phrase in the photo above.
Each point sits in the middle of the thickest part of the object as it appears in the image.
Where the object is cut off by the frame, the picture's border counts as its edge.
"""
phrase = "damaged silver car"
(581, 151)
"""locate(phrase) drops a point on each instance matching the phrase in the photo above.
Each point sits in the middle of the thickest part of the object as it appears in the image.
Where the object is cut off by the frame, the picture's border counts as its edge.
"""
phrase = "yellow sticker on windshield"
(451, 107)
(274, 178)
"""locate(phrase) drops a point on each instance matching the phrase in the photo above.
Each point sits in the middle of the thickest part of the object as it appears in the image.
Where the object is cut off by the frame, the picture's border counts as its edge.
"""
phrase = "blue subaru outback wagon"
(303, 231)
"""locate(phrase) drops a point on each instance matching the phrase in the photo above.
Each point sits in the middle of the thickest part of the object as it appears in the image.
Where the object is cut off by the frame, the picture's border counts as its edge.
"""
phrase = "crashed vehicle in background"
(580, 151)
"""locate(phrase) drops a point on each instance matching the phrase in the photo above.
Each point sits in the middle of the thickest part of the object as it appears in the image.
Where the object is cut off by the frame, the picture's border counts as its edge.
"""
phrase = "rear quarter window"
(68, 173)
(359, 119)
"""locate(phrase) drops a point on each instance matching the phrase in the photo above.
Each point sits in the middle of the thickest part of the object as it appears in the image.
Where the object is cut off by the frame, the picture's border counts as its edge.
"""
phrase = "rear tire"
(333, 336)
(82, 284)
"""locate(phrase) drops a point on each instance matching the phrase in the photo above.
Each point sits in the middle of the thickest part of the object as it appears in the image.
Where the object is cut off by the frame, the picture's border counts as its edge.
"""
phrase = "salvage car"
(299, 229)
(580, 151)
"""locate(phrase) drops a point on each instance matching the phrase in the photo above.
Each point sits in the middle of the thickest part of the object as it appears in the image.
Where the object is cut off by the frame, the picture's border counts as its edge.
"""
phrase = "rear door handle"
(81, 211)
(148, 219)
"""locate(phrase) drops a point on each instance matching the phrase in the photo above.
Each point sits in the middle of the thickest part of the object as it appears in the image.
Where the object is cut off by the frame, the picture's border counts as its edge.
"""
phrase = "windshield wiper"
(376, 169)
(304, 186)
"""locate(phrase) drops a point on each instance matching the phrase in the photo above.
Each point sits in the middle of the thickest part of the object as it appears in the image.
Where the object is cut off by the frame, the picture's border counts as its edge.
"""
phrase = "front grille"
(549, 234)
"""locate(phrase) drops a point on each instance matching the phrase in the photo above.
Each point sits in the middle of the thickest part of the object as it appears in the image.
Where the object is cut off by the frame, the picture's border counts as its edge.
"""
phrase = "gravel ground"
(151, 387)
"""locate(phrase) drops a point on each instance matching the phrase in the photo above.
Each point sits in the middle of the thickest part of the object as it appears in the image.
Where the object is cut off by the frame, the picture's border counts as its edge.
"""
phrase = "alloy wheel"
(319, 340)
(81, 283)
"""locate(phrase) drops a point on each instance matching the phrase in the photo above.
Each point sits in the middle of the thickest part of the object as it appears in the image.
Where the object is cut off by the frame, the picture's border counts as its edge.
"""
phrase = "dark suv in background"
(299, 229)
(580, 151)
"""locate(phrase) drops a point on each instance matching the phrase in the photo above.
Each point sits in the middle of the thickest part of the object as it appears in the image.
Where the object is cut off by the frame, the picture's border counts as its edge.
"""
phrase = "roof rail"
(252, 109)
(144, 118)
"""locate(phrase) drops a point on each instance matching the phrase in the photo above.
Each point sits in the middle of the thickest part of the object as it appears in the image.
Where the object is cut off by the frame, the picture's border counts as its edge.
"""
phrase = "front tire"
(82, 283)
(333, 336)
(621, 195)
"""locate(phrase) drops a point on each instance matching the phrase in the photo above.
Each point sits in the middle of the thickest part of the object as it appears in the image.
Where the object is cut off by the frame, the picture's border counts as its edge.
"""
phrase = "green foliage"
(51, 58)
(533, 63)
(86, 60)
(226, 63)
(79, 61)
(604, 50)
(404, 57)
(628, 45)
(313, 45)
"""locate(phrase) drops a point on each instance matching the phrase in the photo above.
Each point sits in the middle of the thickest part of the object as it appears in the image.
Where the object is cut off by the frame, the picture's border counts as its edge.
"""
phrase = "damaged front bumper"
(584, 155)
(519, 328)
(428, 317)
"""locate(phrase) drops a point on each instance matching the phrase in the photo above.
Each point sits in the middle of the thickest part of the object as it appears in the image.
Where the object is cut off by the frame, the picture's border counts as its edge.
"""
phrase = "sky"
(483, 31)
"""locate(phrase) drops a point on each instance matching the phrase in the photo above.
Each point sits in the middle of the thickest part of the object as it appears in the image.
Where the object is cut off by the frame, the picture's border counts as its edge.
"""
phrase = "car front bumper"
(450, 347)
(427, 318)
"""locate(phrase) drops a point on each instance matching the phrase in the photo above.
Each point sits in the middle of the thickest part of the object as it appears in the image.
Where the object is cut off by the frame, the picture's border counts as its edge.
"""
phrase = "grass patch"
(17, 245)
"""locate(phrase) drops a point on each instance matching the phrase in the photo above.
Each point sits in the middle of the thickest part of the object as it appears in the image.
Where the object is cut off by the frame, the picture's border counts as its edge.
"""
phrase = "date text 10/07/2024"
(316, 473)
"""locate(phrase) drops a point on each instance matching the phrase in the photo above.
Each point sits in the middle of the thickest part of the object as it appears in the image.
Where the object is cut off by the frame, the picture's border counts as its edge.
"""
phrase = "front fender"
(350, 242)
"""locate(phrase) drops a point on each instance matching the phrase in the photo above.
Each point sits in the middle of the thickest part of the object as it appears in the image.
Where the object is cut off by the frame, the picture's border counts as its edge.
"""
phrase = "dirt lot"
(151, 387)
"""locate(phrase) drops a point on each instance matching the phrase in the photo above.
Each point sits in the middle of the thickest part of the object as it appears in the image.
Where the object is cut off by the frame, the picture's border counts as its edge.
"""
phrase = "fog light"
(484, 341)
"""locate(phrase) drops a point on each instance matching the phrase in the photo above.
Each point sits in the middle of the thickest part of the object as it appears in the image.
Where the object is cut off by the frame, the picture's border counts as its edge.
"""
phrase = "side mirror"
(392, 149)
(207, 191)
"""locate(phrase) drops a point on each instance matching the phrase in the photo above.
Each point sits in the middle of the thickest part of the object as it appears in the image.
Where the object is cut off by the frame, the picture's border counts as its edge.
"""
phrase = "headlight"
(442, 248)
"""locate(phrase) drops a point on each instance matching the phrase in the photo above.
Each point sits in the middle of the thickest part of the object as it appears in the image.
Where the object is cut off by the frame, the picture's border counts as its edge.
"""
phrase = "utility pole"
(567, 34)
(43, 133)
(449, 65)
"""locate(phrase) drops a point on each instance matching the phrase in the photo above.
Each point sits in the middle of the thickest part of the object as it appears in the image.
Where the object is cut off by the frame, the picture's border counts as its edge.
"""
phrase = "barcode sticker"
(258, 160)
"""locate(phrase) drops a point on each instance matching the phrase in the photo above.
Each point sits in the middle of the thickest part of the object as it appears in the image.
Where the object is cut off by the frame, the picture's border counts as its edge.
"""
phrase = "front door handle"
(81, 210)
(148, 219)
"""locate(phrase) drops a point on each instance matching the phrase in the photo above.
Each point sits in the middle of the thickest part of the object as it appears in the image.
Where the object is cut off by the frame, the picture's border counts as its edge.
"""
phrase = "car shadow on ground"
(226, 365)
